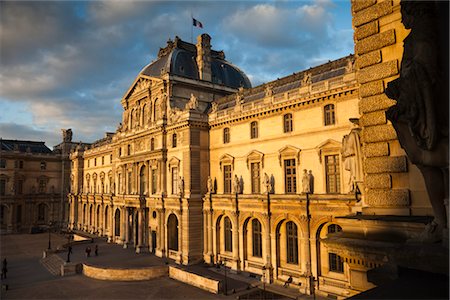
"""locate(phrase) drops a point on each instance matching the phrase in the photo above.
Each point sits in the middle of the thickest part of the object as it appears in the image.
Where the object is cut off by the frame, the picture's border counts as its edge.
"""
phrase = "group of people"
(88, 251)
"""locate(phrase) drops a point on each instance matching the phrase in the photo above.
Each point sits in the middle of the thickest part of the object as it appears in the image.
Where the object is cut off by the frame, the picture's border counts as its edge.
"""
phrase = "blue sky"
(67, 64)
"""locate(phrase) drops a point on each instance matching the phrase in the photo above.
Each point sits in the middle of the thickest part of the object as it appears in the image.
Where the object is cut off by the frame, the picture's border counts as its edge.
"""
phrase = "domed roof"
(179, 58)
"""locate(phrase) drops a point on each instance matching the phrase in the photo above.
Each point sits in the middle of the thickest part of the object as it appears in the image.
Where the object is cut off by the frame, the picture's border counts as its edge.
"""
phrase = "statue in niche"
(193, 103)
(67, 135)
(311, 182)
(352, 155)
(236, 185)
(420, 116)
(306, 188)
(210, 185)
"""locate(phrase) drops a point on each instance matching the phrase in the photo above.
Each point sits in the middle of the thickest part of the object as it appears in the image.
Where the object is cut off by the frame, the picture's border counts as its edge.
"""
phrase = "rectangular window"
(154, 180)
(255, 178)
(110, 159)
(119, 183)
(20, 186)
(227, 179)
(2, 187)
(290, 176)
(95, 162)
(2, 163)
(174, 180)
(336, 263)
(43, 165)
(18, 164)
(103, 160)
(88, 163)
(42, 185)
(332, 174)
(129, 182)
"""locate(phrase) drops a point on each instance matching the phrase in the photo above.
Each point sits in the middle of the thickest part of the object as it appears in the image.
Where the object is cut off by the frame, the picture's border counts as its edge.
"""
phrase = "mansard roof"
(24, 146)
(319, 73)
(179, 58)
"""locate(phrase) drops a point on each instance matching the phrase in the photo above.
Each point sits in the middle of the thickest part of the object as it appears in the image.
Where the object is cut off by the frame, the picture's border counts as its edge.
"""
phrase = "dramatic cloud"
(68, 64)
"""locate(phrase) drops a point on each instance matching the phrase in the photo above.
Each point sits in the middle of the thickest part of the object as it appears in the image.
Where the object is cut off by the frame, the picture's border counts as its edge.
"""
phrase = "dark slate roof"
(22, 146)
(179, 58)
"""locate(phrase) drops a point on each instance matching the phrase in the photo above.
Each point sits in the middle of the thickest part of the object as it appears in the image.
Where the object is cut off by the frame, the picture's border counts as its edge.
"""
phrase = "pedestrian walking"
(88, 251)
(96, 250)
(4, 268)
(70, 249)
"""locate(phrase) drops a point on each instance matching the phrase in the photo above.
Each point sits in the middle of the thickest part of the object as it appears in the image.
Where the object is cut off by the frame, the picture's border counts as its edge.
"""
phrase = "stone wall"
(124, 274)
(201, 282)
(393, 185)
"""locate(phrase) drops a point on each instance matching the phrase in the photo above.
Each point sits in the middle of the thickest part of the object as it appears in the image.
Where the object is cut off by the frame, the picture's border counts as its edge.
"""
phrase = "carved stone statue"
(306, 79)
(266, 183)
(67, 135)
(210, 185)
(268, 91)
(236, 185)
(420, 116)
(193, 103)
(181, 187)
(352, 155)
(311, 182)
(306, 188)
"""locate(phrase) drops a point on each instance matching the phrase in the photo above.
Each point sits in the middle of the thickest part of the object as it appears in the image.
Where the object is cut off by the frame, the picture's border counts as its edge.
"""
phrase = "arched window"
(256, 238)
(129, 150)
(117, 223)
(253, 130)
(42, 212)
(142, 181)
(144, 115)
(97, 221)
(152, 144)
(172, 225)
(287, 123)
(328, 112)
(106, 218)
(228, 234)
(90, 216)
(174, 140)
(334, 228)
(292, 243)
(226, 135)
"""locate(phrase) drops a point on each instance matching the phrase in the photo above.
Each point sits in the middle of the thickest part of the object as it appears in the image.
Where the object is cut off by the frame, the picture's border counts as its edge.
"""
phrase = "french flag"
(197, 23)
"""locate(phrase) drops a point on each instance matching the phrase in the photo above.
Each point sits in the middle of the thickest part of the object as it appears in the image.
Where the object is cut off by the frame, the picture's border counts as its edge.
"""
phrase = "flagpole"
(192, 28)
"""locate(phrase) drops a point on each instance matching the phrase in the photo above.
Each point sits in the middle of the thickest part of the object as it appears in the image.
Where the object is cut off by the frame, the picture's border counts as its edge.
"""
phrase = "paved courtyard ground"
(28, 279)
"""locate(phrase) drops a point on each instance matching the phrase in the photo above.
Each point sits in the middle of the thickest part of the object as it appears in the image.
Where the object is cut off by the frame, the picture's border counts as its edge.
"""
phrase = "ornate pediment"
(140, 85)
(255, 156)
(328, 146)
(226, 159)
(288, 151)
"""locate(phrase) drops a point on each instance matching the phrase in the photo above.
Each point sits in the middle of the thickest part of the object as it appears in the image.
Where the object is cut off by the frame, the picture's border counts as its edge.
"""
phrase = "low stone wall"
(203, 283)
(124, 274)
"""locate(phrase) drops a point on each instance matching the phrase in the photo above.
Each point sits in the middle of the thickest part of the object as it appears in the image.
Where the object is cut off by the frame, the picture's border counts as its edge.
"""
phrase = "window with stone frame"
(43, 165)
(336, 263)
(110, 158)
(226, 135)
(19, 187)
(2, 163)
(2, 187)
(18, 164)
(256, 177)
(256, 238)
(129, 150)
(291, 243)
(332, 174)
(119, 183)
(152, 144)
(19, 213)
(103, 160)
(290, 176)
(174, 140)
(287, 123)
(129, 181)
(228, 234)
(328, 113)
(254, 130)
(174, 180)
(42, 210)
(95, 162)
(227, 180)
(42, 186)
(154, 180)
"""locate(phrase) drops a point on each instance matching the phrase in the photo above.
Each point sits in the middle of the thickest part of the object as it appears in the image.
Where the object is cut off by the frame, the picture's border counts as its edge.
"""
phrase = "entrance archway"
(117, 223)
(172, 232)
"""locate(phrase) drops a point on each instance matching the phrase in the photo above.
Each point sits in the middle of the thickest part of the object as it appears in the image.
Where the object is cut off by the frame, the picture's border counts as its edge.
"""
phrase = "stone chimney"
(204, 56)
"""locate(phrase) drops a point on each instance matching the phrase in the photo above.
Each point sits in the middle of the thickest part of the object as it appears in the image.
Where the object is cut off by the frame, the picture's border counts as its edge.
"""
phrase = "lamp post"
(69, 247)
(264, 282)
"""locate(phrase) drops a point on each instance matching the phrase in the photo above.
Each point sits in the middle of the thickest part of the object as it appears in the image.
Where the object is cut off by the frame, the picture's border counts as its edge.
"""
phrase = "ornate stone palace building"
(34, 182)
(301, 179)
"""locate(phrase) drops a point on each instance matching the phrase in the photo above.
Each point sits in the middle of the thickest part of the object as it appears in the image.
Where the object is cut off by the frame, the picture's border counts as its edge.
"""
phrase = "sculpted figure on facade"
(236, 185)
(306, 79)
(193, 103)
(268, 91)
(210, 185)
(181, 187)
(67, 135)
(352, 156)
(306, 187)
(421, 115)
(266, 183)
(311, 182)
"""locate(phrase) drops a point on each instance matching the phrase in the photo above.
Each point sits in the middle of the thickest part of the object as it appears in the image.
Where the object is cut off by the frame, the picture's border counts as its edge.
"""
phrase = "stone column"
(235, 265)
(205, 236)
(141, 243)
(268, 251)
(211, 236)
(124, 232)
